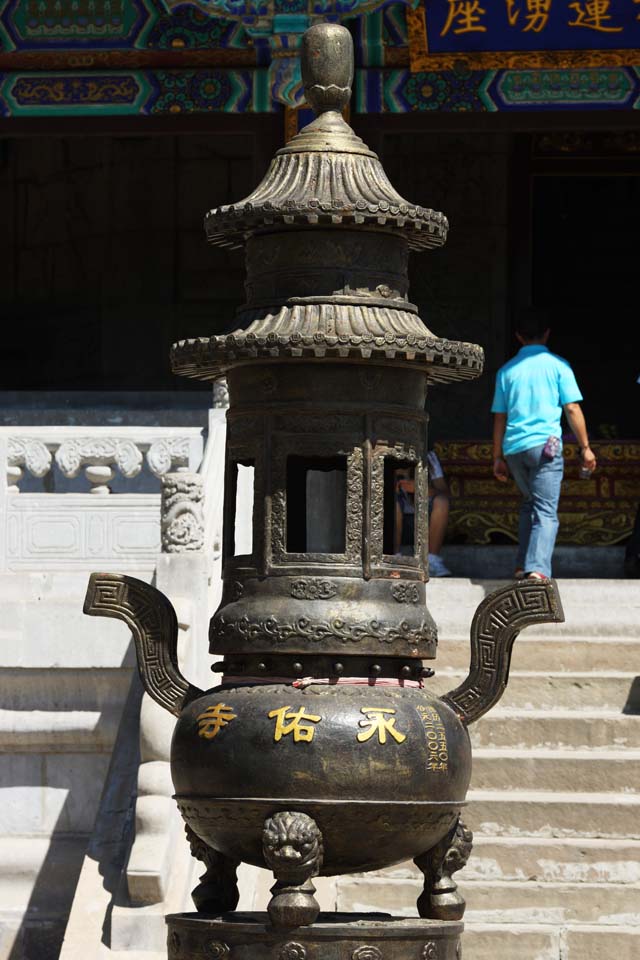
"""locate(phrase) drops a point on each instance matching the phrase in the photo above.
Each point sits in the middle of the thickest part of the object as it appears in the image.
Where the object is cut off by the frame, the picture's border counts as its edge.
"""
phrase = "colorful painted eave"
(148, 57)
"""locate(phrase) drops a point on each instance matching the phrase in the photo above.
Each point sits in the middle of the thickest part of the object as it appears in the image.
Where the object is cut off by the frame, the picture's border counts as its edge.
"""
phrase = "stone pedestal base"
(334, 936)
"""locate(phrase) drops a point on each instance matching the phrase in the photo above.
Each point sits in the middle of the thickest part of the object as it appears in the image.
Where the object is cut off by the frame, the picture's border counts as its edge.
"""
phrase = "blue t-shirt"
(532, 389)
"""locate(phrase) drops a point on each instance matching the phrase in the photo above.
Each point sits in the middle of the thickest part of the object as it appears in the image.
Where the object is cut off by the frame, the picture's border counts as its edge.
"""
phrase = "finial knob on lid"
(327, 66)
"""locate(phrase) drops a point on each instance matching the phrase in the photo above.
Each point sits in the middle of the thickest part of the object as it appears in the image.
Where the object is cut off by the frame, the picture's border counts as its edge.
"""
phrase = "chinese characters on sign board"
(509, 33)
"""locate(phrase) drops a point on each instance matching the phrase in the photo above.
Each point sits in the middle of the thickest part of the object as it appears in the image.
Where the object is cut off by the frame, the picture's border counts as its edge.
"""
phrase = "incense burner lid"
(325, 187)
(326, 175)
(207, 358)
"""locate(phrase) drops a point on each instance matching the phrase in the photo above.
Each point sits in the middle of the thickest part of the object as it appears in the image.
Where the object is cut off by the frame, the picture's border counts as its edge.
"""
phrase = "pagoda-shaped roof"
(326, 177)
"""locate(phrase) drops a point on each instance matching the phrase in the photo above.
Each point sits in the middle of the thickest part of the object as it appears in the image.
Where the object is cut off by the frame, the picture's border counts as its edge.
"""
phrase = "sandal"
(534, 575)
(518, 573)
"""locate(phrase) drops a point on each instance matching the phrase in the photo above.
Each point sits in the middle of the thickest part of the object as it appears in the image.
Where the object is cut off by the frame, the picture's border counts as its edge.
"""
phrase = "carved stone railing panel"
(100, 451)
(72, 454)
(32, 453)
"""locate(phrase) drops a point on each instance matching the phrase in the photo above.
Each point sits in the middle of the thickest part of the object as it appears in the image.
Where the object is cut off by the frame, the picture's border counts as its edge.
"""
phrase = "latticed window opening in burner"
(399, 508)
(316, 504)
(240, 524)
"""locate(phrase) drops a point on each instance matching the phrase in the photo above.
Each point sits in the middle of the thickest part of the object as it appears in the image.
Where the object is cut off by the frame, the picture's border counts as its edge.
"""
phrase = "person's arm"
(439, 485)
(500, 469)
(577, 423)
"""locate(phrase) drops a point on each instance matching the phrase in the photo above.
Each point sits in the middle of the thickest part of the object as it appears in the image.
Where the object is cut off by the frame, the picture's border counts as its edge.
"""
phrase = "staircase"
(555, 793)
(62, 690)
(66, 688)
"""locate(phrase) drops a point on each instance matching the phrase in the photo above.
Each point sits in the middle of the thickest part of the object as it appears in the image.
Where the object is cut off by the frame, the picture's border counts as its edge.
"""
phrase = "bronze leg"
(217, 891)
(440, 899)
(292, 846)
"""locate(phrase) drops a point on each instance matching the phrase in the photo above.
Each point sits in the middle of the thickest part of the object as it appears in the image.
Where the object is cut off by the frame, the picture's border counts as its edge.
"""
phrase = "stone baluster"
(33, 454)
(99, 476)
(100, 455)
(14, 475)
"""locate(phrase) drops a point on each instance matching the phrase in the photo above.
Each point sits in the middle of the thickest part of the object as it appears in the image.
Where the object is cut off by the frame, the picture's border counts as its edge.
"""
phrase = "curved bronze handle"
(496, 624)
(154, 625)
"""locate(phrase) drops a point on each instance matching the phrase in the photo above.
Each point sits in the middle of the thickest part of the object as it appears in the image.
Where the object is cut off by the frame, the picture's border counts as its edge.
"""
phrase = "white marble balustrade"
(98, 450)
(95, 528)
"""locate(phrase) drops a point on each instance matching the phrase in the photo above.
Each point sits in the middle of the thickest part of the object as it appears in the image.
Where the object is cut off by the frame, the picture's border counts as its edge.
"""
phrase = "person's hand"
(500, 470)
(589, 461)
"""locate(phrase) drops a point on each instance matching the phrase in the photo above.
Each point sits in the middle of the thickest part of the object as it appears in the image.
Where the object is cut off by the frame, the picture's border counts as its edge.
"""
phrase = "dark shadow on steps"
(632, 706)
(42, 930)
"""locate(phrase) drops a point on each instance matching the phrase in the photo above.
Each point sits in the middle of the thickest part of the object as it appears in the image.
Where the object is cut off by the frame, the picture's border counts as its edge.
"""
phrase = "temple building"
(122, 122)
(118, 120)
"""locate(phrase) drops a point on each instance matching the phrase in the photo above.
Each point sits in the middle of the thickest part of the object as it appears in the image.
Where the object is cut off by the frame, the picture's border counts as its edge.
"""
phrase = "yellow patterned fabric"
(595, 512)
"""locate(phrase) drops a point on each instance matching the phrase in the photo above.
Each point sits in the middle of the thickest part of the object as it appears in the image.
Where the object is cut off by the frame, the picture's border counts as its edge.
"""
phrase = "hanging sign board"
(502, 34)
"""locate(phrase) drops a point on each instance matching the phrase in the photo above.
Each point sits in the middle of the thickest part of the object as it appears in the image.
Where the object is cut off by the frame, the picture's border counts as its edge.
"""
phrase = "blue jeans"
(538, 480)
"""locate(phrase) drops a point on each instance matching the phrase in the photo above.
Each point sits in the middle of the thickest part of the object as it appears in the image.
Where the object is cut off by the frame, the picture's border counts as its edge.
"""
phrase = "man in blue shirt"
(531, 392)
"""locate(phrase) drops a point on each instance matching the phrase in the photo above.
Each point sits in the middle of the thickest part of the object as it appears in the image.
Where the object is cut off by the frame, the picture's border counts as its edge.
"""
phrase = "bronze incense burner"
(322, 751)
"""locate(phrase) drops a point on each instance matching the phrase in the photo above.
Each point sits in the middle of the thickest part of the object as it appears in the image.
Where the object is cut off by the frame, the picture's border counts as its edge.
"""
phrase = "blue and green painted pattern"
(188, 28)
(115, 93)
(267, 33)
(142, 92)
(60, 24)
(464, 91)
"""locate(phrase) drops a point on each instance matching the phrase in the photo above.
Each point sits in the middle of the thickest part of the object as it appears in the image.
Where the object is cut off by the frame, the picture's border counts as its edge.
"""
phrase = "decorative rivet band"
(218, 950)
(366, 953)
(292, 951)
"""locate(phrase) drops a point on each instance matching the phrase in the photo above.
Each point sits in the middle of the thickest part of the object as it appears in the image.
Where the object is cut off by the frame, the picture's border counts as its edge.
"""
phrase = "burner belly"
(382, 770)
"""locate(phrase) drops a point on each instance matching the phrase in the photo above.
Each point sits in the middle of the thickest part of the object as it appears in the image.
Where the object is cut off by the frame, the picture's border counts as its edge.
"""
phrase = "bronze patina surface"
(323, 751)
(335, 936)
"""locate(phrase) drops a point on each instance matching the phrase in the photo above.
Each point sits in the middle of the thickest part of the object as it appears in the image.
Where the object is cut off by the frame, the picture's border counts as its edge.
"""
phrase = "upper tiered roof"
(326, 174)
(326, 177)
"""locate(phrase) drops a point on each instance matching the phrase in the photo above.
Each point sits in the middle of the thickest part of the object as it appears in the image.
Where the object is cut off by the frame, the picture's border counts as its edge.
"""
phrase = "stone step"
(570, 729)
(63, 689)
(54, 632)
(499, 901)
(551, 691)
(569, 562)
(557, 770)
(56, 731)
(558, 903)
(595, 942)
(541, 859)
(586, 624)
(49, 585)
(550, 942)
(528, 813)
(594, 592)
(562, 654)
(567, 860)
(39, 874)
(513, 942)
(592, 607)
(44, 792)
